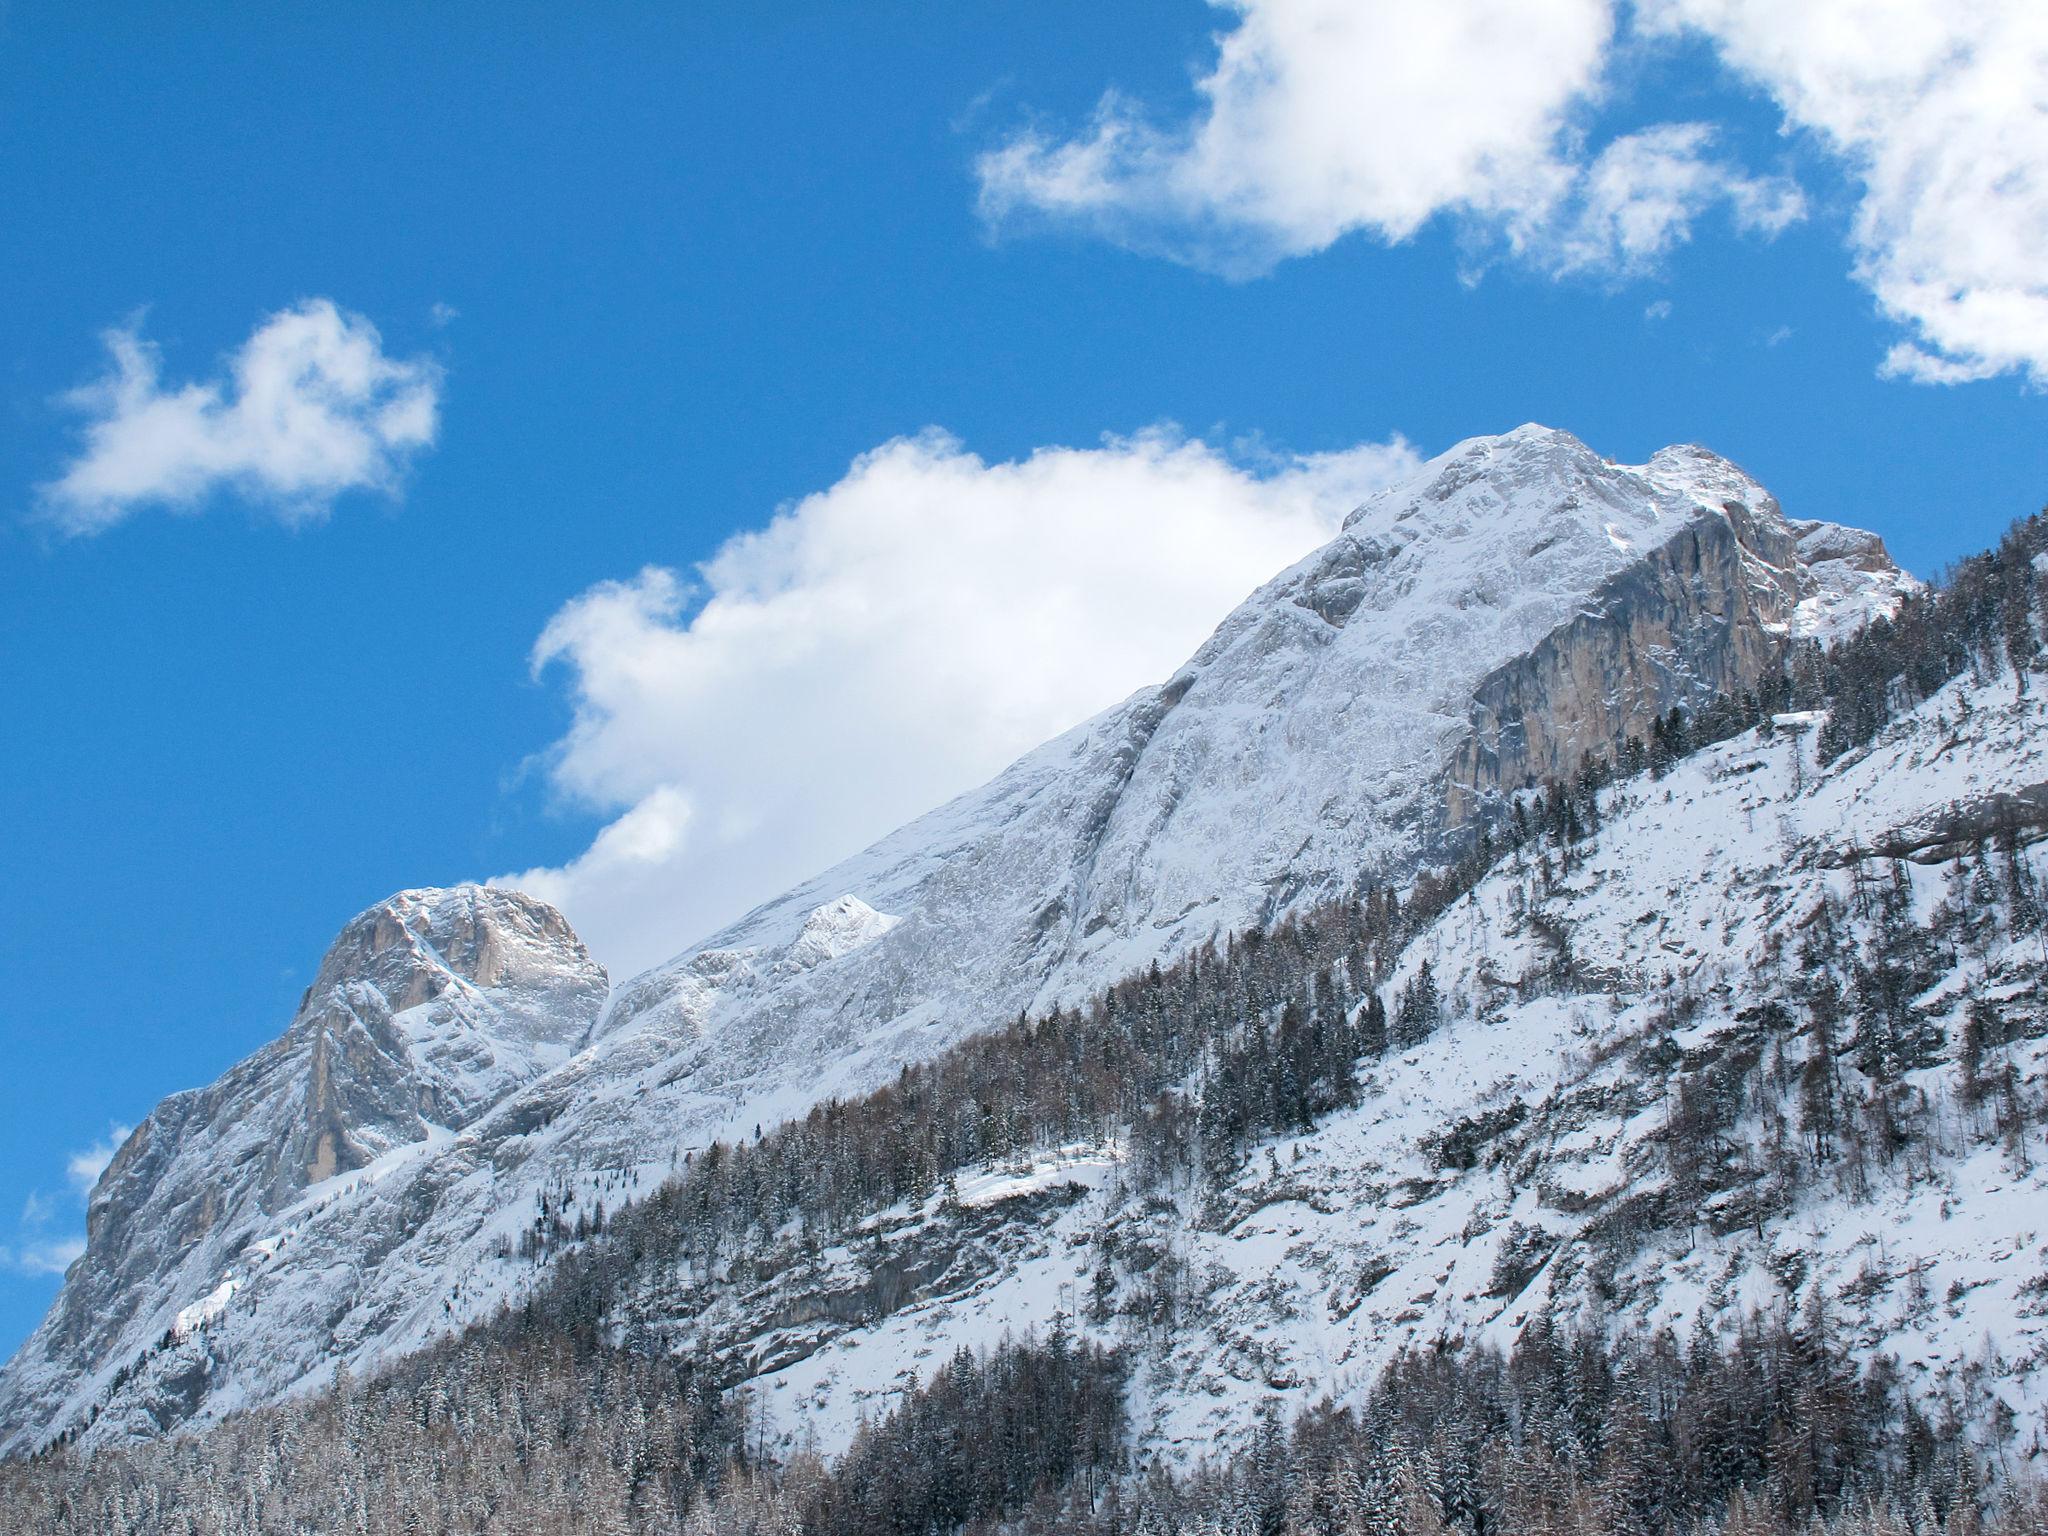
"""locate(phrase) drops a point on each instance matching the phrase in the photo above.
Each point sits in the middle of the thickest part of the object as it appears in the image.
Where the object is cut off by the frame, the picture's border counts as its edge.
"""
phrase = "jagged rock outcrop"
(1709, 613)
(1443, 636)
(428, 1009)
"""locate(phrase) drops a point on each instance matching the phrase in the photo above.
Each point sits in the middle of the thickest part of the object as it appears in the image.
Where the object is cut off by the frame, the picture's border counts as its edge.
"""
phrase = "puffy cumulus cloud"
(309, 407)
(888, 642)
(1940, 109)
(1322, 118)
(1326, 117)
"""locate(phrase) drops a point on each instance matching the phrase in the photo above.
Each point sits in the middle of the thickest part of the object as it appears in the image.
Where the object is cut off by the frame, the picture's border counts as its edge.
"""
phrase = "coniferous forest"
(1774, 1431)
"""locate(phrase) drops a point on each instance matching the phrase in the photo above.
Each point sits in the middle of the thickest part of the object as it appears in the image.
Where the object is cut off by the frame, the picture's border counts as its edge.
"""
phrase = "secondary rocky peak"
(412, 946)
(428, 1009)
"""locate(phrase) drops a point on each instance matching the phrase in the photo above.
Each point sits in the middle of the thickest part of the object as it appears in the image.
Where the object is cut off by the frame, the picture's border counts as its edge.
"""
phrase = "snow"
(1069, 1165)
(834, 930)
(1334, 1250)
(205, 1310)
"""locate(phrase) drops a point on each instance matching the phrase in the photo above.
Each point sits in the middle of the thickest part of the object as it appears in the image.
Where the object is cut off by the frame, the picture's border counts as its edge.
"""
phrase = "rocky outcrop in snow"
(1705, 614)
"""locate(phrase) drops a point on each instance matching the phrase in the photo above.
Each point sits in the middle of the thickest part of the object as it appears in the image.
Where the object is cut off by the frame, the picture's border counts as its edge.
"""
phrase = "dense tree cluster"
(547, 1439)
(1774, 1432)
(470, 1436)
(1982, 618)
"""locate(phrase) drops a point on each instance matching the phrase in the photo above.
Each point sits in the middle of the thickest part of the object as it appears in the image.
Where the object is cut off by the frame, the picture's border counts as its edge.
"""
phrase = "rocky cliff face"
(427, 1010)
(1708, 613)
(1519, 600)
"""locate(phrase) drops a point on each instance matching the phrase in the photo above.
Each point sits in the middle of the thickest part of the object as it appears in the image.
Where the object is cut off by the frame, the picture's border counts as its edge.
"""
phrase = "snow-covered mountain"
(360, 1186)
(428, 1009)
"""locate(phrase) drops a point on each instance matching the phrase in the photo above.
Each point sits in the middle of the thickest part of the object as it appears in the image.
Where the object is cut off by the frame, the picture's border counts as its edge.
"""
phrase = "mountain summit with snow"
(360, 1187)
(428, 1009)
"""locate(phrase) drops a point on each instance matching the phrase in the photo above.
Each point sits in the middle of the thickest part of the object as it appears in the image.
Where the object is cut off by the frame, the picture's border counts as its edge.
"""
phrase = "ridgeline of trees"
(1980, 618)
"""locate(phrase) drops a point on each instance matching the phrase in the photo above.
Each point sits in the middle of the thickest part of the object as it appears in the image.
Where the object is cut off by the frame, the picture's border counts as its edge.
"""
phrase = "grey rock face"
(1711, 612)
(1519, 600)
(428, 1009)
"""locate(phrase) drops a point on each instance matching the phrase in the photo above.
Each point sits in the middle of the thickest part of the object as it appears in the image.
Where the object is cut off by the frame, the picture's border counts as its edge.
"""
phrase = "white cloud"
(40, 1251)
(1639, 198)
(50, 1257)
(308, 408)
(1323, 118)
(886, 643)
(1940, 108)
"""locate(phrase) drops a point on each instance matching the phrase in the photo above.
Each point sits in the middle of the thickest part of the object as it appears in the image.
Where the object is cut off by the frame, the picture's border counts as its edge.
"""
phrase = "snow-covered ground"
(1333, 1250)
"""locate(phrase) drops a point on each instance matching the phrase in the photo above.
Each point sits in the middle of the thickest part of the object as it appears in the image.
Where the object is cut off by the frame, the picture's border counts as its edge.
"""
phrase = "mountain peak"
(413, 941)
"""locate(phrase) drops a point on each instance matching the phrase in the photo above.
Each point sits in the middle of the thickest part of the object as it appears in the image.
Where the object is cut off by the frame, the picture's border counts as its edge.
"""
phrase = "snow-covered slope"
(1636, 1146)
(1517, 603)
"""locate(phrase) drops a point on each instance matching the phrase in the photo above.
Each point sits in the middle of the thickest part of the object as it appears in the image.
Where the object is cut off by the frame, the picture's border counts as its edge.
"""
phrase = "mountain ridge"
(1300, 751)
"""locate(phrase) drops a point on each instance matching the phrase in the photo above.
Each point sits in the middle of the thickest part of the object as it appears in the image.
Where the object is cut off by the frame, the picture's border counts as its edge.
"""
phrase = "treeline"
(1189, 1064)
(1774, 1432)
(546, 1439)
(1981, 617)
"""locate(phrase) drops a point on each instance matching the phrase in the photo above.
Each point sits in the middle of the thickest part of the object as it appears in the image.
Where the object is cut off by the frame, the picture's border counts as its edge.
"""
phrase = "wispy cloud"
(308, 408)
(47, 1257)
(46, 1236)
(83, 1168)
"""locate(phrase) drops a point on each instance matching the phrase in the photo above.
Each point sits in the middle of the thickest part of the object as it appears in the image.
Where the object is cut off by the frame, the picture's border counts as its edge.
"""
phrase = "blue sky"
(664, 274)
